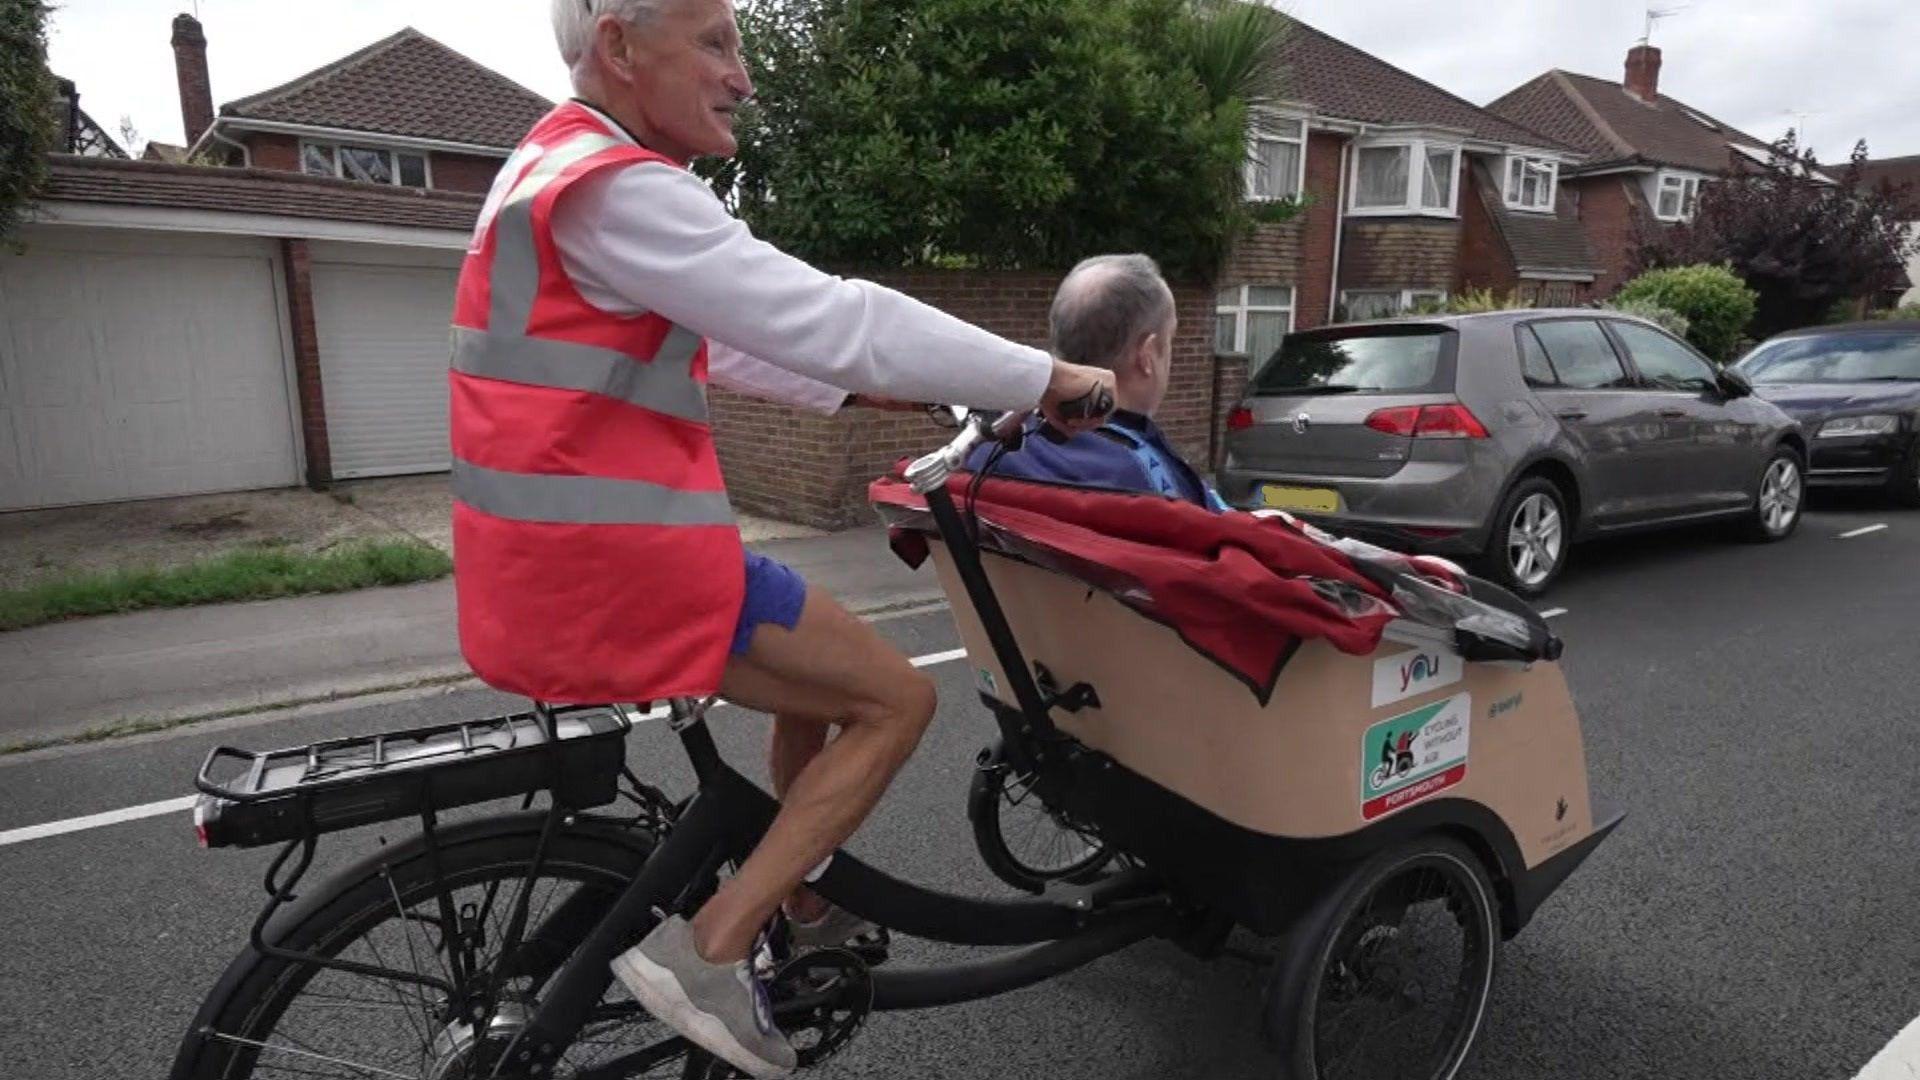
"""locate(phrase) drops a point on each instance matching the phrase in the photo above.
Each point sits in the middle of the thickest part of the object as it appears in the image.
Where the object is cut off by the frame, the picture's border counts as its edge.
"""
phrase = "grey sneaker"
(836, 928)
(720, 1007)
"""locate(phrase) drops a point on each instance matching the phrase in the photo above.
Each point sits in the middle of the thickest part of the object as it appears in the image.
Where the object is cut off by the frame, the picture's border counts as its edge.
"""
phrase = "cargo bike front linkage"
(480, 946)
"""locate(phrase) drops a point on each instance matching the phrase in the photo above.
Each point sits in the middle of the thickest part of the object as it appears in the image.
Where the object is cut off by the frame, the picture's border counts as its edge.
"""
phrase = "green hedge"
(1715, 302)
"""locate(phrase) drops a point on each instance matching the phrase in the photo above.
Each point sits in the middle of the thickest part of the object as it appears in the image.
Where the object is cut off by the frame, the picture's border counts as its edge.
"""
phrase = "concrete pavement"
(170, 665)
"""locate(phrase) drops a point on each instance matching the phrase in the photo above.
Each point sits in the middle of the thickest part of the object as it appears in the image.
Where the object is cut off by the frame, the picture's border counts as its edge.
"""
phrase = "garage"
(138, 365)
(381, 318)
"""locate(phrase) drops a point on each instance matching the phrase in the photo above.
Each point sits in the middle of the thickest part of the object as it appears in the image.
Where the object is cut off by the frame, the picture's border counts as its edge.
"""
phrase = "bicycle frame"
(727, 817)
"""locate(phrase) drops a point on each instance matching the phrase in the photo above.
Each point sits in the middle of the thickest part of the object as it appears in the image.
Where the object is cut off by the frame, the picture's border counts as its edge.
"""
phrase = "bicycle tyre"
(987, 805)
(251, 1001)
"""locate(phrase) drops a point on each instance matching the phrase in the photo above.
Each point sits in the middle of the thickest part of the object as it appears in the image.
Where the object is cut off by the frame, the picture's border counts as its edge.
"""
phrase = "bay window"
(1413, 176)
(1277, 159)
(1676, 196)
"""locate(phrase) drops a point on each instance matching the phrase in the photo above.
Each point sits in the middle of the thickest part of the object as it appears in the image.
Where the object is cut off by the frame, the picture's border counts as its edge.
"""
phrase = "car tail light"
(1449, 421)
(1240, 419)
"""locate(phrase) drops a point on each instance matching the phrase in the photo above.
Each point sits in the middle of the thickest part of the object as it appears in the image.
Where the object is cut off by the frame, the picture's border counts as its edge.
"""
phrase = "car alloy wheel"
(1780, 494)
(1536, 535)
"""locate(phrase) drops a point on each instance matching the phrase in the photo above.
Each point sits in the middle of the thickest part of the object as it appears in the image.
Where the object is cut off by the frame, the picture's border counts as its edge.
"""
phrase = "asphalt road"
(1751, 707)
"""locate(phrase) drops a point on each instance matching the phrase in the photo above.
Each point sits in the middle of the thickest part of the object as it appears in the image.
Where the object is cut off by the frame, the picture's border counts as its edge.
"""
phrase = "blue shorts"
(775, 594)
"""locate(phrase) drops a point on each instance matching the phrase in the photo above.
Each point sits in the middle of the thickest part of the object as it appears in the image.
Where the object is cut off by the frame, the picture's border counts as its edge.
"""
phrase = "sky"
(1837, 70)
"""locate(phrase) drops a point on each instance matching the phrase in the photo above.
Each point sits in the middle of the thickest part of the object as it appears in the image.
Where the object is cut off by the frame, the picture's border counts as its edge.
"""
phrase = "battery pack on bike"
(251, 798)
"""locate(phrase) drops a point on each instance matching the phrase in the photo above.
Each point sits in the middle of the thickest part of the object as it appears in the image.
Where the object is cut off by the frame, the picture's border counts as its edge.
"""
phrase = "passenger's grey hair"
(573, 22)
(1107, 305)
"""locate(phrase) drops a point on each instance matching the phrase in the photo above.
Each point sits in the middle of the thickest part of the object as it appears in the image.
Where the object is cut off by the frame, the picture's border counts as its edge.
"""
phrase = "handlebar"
(976, 427)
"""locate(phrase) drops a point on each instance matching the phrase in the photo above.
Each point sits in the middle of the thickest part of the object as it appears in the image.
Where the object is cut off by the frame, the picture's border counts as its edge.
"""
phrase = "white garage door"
(137, 365)
(383, 363)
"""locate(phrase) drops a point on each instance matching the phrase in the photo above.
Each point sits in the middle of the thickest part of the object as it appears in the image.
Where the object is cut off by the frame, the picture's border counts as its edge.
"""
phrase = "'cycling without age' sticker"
(1414, 756)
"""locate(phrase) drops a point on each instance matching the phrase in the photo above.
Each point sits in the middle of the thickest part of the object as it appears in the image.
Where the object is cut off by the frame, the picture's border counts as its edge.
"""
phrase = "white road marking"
(1899, 1059)
(1862, 532)
(185, 803)
(96, 821)
(1551, 613)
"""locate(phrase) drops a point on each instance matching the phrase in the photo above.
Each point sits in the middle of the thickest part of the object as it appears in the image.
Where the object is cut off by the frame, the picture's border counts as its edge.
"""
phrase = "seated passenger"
(1114, 312)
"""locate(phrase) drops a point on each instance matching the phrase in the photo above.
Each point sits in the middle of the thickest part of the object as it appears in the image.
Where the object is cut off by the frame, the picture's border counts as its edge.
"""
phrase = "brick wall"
(797, 466)
(1485, 262)
(269, 151)
(1401, 253)
(297, 264)
(1270, 256)
(1229, 386)
(1313, 298)
(1612, 209)
(464, 172)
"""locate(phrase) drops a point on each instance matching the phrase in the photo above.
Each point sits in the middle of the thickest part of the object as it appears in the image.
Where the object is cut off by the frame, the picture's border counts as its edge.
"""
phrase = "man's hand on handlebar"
(1078, 398)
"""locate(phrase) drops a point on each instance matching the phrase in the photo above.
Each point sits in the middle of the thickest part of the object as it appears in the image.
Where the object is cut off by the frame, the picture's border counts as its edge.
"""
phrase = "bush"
(1715, 302)
(995, 133)
(1904, 311)
(1665, 317)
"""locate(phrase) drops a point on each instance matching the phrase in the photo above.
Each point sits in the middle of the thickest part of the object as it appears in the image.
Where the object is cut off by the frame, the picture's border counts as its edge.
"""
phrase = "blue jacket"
(1128, 453)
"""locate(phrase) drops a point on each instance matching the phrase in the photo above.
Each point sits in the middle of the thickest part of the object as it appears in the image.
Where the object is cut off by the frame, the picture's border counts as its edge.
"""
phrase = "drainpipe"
(1339, 225)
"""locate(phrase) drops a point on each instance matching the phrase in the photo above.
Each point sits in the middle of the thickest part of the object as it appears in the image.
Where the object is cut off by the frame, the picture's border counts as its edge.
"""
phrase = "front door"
(1706, 452)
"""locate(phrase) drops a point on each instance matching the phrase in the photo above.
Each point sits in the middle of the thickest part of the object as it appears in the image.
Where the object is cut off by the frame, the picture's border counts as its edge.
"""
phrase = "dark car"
(1508, 435)
(1856, 389)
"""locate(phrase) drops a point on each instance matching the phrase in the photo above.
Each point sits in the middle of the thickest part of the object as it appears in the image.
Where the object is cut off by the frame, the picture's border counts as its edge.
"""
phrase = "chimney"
(190, 65)
(1643, 73)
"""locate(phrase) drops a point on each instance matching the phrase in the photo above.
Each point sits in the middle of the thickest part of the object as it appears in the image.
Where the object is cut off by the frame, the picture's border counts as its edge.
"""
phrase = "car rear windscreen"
(1407, 359)
(1842, 356)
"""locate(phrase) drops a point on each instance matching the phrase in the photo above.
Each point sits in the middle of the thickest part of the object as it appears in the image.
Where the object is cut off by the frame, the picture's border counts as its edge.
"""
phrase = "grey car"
(1504, 437)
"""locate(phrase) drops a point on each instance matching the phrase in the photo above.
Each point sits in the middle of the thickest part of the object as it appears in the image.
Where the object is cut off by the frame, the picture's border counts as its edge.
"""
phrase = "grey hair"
(573, 22)
(1107, 305)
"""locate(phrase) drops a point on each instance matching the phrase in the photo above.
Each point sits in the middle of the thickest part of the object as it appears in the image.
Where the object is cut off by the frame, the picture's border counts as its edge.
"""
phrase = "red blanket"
(1241, 590)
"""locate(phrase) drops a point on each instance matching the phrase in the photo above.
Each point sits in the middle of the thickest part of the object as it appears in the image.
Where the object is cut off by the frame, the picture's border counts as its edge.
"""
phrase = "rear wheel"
(274, 1018)
(1387, 977)
(1776, 509)
(1531, 535)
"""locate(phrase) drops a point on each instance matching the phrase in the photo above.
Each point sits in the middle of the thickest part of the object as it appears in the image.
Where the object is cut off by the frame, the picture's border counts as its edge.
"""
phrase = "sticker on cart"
(1414, 756)
(1410, 674)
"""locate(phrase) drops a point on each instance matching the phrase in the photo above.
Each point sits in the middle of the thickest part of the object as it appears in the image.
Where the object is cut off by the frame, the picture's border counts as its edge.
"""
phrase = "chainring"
(838, 987)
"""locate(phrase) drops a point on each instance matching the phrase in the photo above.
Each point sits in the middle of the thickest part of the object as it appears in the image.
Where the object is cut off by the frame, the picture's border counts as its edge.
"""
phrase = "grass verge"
(247, 574)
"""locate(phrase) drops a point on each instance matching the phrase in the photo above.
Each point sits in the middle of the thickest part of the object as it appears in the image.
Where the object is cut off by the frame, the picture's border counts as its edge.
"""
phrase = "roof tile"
(1612, 125)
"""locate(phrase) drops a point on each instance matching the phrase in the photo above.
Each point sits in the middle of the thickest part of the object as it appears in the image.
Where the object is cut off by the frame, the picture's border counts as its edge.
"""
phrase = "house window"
(1677, 197)
(1411, 177)
(368, 164)
(1363, 304)
(1277, 160)
(1250, 320)
(1530, 183)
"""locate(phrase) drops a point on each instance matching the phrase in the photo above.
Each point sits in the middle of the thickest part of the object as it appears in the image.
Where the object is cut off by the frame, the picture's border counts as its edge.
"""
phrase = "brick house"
(1411, 193)
(1646, 154)
(180, 329)
(1897, 172)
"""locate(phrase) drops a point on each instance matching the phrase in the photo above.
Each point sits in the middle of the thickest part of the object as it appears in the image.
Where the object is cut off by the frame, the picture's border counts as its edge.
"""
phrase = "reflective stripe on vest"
(584, 500)
(665, 385)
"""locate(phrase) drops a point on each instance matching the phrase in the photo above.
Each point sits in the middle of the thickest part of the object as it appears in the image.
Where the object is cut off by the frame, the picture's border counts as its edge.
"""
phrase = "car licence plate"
(1301, 499)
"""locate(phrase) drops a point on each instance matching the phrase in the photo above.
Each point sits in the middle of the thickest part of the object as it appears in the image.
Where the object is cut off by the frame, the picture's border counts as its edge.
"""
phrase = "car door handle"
(1673, 414)
(1571, 414)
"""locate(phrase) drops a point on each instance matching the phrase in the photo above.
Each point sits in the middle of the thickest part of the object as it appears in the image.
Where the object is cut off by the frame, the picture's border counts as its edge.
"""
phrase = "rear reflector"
(1450, 421)
(1240, 419)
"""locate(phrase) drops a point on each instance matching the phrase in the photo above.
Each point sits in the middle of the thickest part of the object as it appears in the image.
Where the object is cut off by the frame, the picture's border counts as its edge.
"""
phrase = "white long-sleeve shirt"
(652, 237)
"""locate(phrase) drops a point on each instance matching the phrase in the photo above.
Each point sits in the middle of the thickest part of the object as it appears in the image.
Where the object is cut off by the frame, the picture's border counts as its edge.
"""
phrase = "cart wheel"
(1388, 975)
(1024, 843)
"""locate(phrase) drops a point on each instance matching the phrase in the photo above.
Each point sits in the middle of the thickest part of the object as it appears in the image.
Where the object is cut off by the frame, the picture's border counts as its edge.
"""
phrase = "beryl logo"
(1404, 675)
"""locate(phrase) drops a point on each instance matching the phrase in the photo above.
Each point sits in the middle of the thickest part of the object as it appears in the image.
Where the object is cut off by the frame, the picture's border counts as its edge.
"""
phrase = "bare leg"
(830, 664)
(797, 740)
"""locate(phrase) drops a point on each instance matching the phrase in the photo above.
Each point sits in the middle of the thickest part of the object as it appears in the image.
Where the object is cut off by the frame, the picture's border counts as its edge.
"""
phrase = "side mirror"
(1734, 384)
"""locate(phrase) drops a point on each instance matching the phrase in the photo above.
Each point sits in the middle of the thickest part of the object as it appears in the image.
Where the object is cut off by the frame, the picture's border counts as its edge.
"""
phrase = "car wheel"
(1905, 485)
(1783, 488)
(1531, 534)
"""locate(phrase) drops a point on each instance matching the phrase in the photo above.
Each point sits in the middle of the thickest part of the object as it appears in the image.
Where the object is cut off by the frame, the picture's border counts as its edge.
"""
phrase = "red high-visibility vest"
(595, 554)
